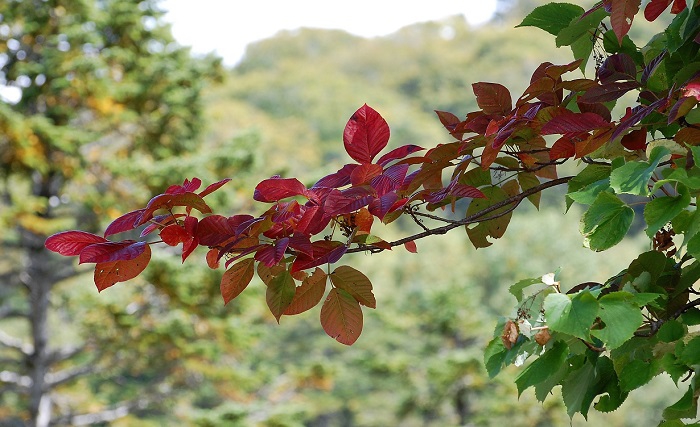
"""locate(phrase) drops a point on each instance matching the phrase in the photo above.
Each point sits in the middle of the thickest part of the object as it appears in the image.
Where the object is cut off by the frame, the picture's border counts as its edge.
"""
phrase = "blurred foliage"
(120, 115)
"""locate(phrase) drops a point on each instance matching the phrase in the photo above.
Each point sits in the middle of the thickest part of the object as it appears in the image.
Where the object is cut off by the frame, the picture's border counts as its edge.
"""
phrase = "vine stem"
(476, 217)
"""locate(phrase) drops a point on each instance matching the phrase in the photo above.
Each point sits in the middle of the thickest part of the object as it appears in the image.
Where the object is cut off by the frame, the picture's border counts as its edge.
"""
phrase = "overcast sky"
(227, 27)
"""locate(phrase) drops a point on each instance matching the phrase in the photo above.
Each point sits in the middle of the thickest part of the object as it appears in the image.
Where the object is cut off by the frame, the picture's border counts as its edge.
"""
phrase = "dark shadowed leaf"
(623, 12)
(124, 223)
(112, 251)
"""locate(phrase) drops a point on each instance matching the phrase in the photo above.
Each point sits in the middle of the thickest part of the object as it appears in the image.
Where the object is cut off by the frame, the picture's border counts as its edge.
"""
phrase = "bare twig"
(21, 381)
(16, 343)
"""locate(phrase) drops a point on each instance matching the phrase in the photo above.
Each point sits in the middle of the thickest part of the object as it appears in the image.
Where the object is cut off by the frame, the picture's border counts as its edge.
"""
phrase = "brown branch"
(476, 217)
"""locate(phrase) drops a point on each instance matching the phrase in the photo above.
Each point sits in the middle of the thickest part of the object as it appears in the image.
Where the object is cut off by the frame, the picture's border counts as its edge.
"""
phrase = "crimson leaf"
(71, 243)
(365, 134)
(276, 188)
(112, 251)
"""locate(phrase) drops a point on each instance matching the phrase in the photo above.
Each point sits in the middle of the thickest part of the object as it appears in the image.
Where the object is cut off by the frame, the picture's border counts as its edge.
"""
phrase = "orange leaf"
(355, 283)
(341, 317)
(236, 279)
(109, 273)
(213, 259)
(309, 293)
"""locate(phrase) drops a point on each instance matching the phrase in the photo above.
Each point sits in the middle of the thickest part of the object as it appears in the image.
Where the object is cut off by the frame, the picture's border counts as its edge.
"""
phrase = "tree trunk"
(38, 278)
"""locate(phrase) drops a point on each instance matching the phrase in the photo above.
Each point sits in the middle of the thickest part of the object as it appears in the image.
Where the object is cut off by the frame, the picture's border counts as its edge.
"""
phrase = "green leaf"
(578, 28)
(633, 177)
(548, 364)
(636, 373)
(606, 222)
(685, 407)
(494, 228)
(589, 175)
(529, 180)
(280, 293)
(658, 212)
(582, 49)
(670, 331)
(588, 194)
(691, 352)
(517, 289)
(573, 316)
(552, 17)
(341, 317)
(675, 369)
(355, 283)
(621, 316)
(574, 389)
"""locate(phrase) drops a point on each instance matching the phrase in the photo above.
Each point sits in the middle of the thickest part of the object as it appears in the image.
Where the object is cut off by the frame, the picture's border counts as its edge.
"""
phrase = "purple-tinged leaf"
(168, 201)
(272, 254)
(608, 92)
(681, 108)
(338, 179)
(574, 123)
(275, 189)
(638, 114)
(338, 203)
(124, 223)
(398, 153)
(214, 230)
(112, 251)
(364, 173)
(652, 66)
(301, 243)
(159, 222)
(324, 252)
(313, 220)
(71, 243)
(365, 134)
(619, 67)
(383, 205)
(622, 15)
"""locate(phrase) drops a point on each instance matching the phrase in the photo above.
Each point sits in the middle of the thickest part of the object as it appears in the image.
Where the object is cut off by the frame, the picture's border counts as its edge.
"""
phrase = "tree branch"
(65, 353)
(57, 378)
(16, 343)
(476, 217)
(22, 381)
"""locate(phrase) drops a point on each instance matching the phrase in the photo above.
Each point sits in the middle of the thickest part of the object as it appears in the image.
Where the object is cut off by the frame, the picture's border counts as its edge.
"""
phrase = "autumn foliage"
(595, 340)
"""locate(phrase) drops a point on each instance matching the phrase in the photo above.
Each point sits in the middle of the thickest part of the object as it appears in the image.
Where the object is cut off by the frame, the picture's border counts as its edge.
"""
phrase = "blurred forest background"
(113, 110)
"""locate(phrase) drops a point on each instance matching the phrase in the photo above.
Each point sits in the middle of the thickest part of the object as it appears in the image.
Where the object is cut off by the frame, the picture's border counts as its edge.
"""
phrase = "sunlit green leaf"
(573, 316)
(552, 17)
(658, 212)
(606, 222)
(633, 177)
(621, 316)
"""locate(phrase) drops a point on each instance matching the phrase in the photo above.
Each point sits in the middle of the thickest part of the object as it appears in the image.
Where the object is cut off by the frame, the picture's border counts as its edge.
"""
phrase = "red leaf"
(493, 98)
(125, 222)
(112, 251)
(338, 203)
(174, 234)
(236, 279)
(622, 15)
(159, 222)
(213, 258)
(272, 254)
(364, 173)
(187, 186)
(338, 179)
(324, 252)
(275, 189)
(398, 153)
(608, 92)
(574, 123)
(215, 229)
(309, 294)
(381, 206)
(71, 243)
(280, 293)
(313, 220)
(563, 148)
(213, 187)
(678, 6)
(365, 134)
(341, 317)
(109, 273)
(411, 246)
(655, 8)
(635, 140)
(355, 283)
(167, 201)
(638, 114)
